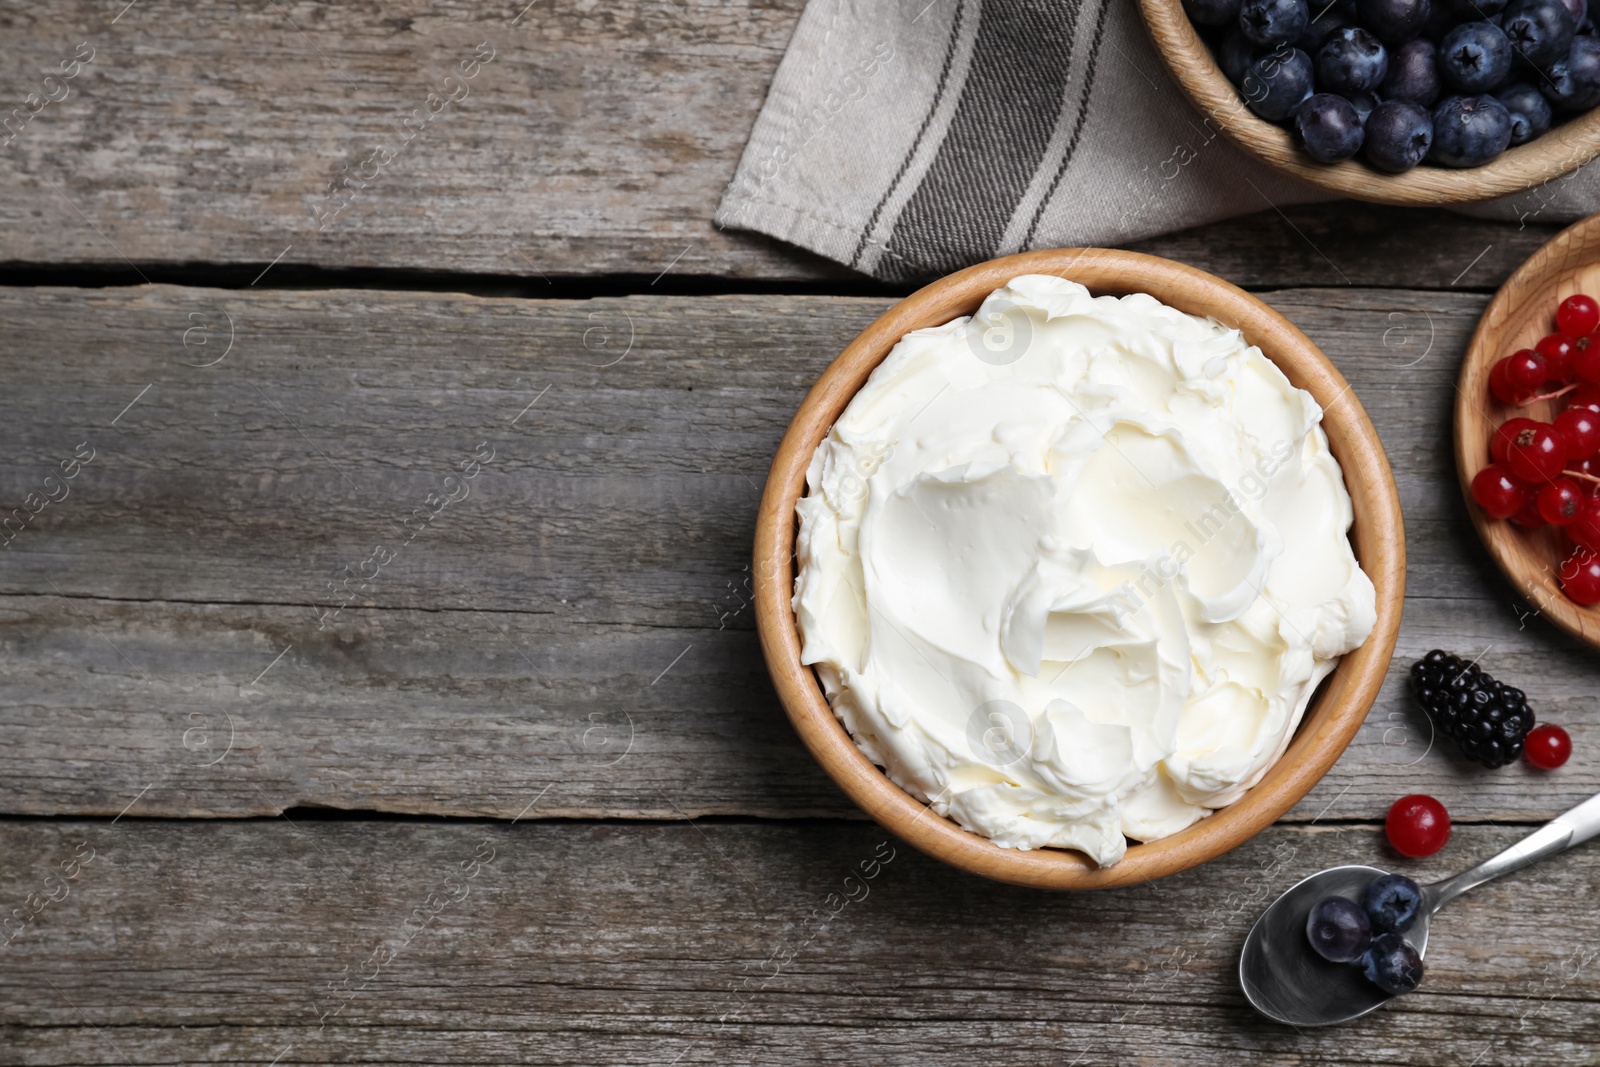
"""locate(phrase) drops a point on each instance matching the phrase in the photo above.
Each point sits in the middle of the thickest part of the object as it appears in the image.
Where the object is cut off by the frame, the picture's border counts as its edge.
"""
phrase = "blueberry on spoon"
(1392, 903)
(1392, 964)
(1338, 928)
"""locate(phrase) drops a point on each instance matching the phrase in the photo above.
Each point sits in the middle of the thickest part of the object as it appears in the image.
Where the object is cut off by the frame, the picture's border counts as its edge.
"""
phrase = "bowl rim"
(1562, 149)
(1525, 292)
(1330, 722)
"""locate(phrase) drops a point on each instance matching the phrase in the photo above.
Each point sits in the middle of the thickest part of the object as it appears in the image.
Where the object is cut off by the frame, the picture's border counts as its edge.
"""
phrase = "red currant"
(1585, 396)
(1586, 529)
(1580, 429)
(1536, 454)
(1505, 434)
(1525, 370)
(1586, 362)
(1558, 352)
(1558, 368)
(1503, 389)
(1529, 517)
(1580, 577)
(1560, 502)
(1498, 494)
(1417, 826)
(1548, 747)
(1577, 315)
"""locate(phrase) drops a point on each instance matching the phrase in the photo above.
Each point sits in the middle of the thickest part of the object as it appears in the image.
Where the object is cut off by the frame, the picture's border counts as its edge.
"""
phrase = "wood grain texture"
(1565, 147)
(598, 141)
(1334, 714)
(1523, 311)
(577, 943)
(604, 545)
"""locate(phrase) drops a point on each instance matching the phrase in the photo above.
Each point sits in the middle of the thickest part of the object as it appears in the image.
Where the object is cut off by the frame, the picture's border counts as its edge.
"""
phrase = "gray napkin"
(915, 137)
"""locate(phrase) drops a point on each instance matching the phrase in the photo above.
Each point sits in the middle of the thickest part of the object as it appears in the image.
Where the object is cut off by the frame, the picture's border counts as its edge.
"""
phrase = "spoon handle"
(1570, 828)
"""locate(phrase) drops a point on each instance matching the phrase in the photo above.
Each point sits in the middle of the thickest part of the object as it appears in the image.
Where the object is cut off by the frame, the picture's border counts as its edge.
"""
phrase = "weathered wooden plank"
(592, 578)
(560, 943)
(597, 140)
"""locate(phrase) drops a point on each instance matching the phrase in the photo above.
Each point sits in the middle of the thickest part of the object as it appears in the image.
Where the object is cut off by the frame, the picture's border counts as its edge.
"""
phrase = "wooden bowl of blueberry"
(1394, 101)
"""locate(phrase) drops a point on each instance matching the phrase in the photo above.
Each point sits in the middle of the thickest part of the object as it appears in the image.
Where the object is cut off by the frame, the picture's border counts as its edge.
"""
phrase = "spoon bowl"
(1287, 981)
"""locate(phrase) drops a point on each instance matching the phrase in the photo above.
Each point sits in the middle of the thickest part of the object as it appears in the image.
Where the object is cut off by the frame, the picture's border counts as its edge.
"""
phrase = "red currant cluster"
(1548, 474)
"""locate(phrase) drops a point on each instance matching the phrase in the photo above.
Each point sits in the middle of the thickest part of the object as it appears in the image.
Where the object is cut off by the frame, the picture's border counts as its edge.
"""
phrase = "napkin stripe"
(1077, 129)
(997, 138)
(922, 131)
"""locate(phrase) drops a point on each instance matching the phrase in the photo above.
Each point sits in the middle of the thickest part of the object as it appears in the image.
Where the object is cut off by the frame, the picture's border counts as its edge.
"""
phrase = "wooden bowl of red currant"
(1528, 429)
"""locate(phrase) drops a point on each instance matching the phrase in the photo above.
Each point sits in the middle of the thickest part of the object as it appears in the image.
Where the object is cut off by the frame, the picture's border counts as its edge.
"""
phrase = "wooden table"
(314, 749)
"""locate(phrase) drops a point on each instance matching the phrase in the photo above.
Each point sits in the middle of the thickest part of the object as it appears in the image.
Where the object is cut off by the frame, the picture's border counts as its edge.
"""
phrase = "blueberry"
(1541, 31)
(1211, 12)
(1395, 21)
(1578, 9)
(1574, 82)
(1399, 133)
(1413, 74)
(1475, 56)
(1330, 128)
(1352, 61)
(1278, 83)
(1392, 964)
(1324, 20)
(1275, 22)
(1469, 131)
(1235, 55)
(1363, 103)
(1338, 929)
(1392, 902)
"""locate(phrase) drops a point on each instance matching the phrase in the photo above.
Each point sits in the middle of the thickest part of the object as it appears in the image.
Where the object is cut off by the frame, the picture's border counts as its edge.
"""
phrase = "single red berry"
(1585, 361)
(1558, 352)
(1585, 396)
(1560, 502)
(1529, 518)
(1589, 465)
(1417, 825)
(1503, 389)
(1536, 454)
(1505, 434)
(1580, 429)
(1497, 493)
(1577, 315)
(1558, 364)
(1525, 369)
(1548, 747)
(1585, 531)
(1580, 577)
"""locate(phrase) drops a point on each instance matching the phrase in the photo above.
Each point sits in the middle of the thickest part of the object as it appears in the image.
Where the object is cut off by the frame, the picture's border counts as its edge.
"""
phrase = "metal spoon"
(1284, 978)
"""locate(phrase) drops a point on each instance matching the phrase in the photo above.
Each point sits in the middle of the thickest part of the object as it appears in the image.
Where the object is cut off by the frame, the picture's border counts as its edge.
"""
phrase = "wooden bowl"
(1335, 713)
(1565, 147)
(1523, 311)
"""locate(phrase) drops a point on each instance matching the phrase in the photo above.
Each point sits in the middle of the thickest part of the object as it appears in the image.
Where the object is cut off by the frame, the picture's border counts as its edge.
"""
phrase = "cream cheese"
(1071, 569)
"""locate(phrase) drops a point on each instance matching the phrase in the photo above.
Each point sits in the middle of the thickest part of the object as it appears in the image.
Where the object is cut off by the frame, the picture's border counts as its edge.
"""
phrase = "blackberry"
(1489, 719)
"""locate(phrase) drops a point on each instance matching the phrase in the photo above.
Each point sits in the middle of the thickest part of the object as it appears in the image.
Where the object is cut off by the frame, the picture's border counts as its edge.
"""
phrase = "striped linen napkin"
(909, 138)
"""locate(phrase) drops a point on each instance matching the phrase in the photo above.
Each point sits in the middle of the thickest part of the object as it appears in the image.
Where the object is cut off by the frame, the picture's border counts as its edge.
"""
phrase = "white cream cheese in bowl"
(1071, 569)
